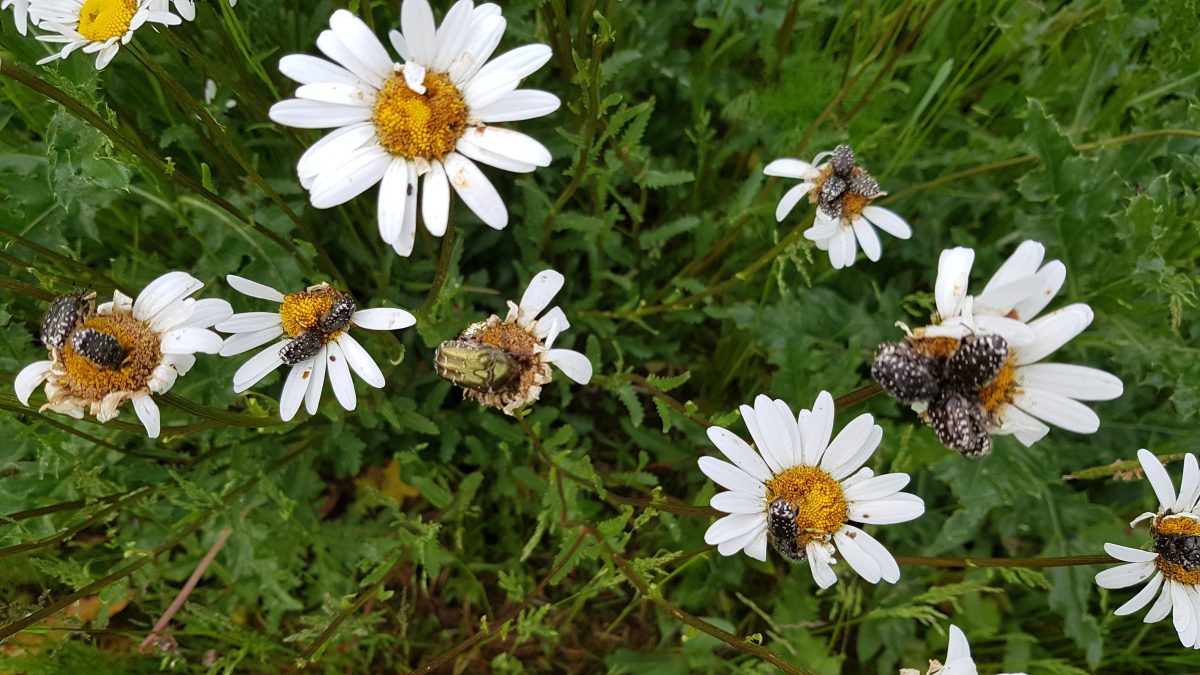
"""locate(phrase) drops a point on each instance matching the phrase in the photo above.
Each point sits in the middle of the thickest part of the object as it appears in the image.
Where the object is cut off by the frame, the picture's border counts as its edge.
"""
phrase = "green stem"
(443, 269)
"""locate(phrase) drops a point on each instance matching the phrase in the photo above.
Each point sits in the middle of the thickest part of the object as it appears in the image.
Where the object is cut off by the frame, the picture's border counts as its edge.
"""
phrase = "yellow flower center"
(101, 20)
(413, 125)
(1177, 573)
(1167, 525)
(937, 348)
(818, 499)
(509, 337)
(300, 312)
(91, 382)
(1000, 390)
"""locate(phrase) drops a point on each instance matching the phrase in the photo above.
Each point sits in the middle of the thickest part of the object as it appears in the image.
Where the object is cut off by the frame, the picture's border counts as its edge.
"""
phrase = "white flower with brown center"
(429, 116)
(185, 8)
(843, 194)
(1173, 566)
(1026, 393)
(315, 326)
(505, 363)
(20, 10)
(802, 491)
(94, 26)
(124, 350)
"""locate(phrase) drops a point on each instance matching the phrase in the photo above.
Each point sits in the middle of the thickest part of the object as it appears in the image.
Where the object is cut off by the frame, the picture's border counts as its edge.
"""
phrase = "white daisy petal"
(1053, 331)
(887, 221)
(347, 55)
(742, 542)
(1143, 597)
(362, 170)
(757, 548)
(817, 432)
(304, 114)
(164, 291)
(1078, 382)
(572, 364)
(881, 486)
(341, 94)
(29, 378)
(420, 34)
(383, 318)
(958, 648)
(1027, 428)
(1156, 473)
(1161, 607)
(435, 204)
(244, 342)
(1052, 277)
(1189, 488)
(393, 192)
(189, 340)
(520, 104)
(408, 230)
(1057, 410)
(551, 324)
(540, 293)
(1128, 554)
(253, 288)
(360, 361)
(476, 191)
(147, 412)
(316, 382)
(790, 168)
(736, 502)
(451, 36)
(790, 199)
(339, 375)
(867, 239)
(740, 453)
(207, 312)
(293, 389)
(954, 272)
(249, 321)
(1023, 263)
(889, 570)
(361, 41)
(819, 564)
(1123, 576)
(307, 69)
(732, 527)
(847, 443)
(482, 39)
(332, 151)
(898, 508)
(730, 477)
(859, 560)
(259, 366)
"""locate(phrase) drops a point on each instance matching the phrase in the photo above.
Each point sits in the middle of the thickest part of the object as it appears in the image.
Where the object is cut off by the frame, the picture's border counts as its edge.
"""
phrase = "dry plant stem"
(66, 534)
(10, 629)
(73, 505)
(447, 656)
(1024, 563)
(188, 103)
(863, 393)
(46, 419)
(151, 160)
(1131, 467)
(730, 639)
(187, 588)
(361, 600)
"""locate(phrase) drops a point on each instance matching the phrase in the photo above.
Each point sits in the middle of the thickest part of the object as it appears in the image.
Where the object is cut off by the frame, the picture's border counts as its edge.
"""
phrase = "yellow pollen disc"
(100, 20)
(516, 341)
(91, 382)
(1165, 525)
(937, 348)
(1177, 573)
(300, 312)
(413, 125)
(818, 499)
(1000, 390)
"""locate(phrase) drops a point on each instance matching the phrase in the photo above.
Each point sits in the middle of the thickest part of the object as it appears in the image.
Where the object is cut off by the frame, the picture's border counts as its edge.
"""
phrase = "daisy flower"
(428, 116)
(958, 659)
(185, 8)
(1026, 393)
(20, 13)
(802, 490)
(1173, 566)
(124, 350)
(843, 193)
(505, 363)
(95, 26)
(315, 326)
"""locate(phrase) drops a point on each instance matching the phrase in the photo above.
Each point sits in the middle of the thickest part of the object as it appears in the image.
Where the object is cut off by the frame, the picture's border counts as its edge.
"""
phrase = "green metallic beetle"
(474, 365)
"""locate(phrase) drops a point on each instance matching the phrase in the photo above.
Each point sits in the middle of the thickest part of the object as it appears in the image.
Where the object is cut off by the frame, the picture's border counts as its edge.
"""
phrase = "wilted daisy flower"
(1174, 563)
(315, 324)
(20, 13)
(124, 350)
(843, 193)
(428, 117)
(1023, 393)
(802, 490)
(185, 8)
(503, 364)
(958, 659)
(95, 26)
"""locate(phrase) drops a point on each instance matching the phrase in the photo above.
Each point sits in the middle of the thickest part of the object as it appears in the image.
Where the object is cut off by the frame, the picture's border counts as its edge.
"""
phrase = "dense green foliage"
(379, 539)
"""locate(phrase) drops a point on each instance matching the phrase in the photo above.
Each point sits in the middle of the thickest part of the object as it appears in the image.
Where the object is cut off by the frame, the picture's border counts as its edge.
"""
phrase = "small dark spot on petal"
(410, 189)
